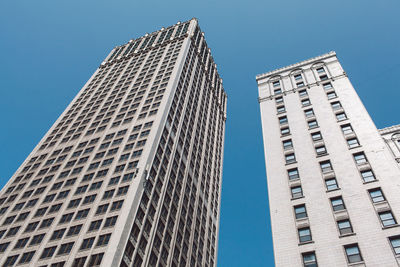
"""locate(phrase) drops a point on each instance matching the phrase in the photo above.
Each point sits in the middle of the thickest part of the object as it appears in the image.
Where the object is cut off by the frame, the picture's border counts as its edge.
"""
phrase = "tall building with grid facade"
(130, 173)
(333, 183)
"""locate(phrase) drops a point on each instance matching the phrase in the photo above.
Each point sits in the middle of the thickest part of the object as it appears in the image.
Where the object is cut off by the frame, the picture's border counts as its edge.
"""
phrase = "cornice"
(390, 129)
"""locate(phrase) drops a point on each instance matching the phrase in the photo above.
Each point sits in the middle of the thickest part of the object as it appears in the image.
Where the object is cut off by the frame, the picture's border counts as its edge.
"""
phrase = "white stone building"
(391, 136)
(130, 174)
(333, 184)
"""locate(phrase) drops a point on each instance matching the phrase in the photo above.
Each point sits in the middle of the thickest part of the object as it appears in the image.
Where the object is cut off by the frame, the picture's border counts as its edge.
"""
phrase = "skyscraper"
(130, 173)
(333, 184)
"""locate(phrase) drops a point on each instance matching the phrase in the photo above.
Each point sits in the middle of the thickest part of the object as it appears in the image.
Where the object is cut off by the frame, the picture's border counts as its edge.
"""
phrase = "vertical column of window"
(298, 78)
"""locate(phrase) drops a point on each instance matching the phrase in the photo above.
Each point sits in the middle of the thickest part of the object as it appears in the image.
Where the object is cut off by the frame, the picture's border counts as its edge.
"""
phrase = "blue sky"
(51, 48)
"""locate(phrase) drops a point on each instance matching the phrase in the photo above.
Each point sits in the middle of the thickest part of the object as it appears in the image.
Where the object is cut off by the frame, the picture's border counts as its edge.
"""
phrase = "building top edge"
(389, 129)
(296, 65)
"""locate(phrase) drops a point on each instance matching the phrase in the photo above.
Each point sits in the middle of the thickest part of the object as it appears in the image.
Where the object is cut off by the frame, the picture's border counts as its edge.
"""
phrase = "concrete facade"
(130, 174)
(314, 122)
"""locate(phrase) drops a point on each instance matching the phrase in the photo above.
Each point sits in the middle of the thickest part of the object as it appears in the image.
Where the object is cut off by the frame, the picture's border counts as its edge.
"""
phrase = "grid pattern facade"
(130, 174)
(332, 181)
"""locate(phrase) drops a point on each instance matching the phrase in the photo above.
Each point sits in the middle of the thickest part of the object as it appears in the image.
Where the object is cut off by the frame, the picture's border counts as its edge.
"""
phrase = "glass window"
(360, 158)
(279, 100)
(309, 259)
(276, 83)
(327, 86)
(285, 131)
(331, 95)
(309, 112)
(336, 105)
(321, 150)
(395, 242)
(346, 129)
(287, 144)
(300, 84)
(278, 91)
(320, 70)
(281, 109)
(323, 77)
(331, 184)
(345, 227)
(326, 166)
(297, 192)
(300, 211)
(376, 195)
(312, 124)
(368, 176)
(293, 174)
(298, 77)
(304, 234)
(387, 218)
(290, 158)
(353, 253)
(341, 116)
(353, 142)
(283, 120)
(316, 136)
(306, 102)
(337, 203)
(303, 93)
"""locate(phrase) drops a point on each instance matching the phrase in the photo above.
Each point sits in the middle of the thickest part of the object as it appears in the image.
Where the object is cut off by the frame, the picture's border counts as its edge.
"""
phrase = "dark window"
(353, 253)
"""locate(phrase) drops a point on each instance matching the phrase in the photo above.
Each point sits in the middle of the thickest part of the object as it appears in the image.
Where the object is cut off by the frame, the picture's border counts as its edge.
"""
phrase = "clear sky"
(51, 48)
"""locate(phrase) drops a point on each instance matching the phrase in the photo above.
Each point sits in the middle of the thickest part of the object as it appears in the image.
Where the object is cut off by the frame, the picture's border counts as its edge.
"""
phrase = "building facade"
(391, 136)
(333, 184)
(130, 173)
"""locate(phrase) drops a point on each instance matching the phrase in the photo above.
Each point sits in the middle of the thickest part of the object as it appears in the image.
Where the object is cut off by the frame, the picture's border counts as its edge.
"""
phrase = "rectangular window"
(48, 252)
(276, 83)
(337, 204)
(353, 253)
(305, 102)
(341, 116)
(309, 113)
(283, 120)
(326, 166)
(285, 131)
(320, 70)
(336, 105)
(360, 158)
(395, 242)
(376, 195)
(290, 158)
(298, 77)
(367, 176)
(316, 136)
(281, 109)
(345, 227)
(346, 129)
(331, 95)
(312, 124)
(309, 259)
(353, 142)
(300, 84)
(293, 174)
(387, 218)
(304, 234)
(300, 211)
(87, 243)
(321, 150)
(303, 93)
(278, 91)
(327, 86)
(287, 144)
(297, 192)
(279, 100)
(331, 184)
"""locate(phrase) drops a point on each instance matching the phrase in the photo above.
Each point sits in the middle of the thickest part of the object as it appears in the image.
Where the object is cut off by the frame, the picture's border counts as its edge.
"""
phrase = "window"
(66, 218)
(281, 109)
(58, 234)
(110, 221)
(353, 142)
(337, 204)
(341, 116)
(353, 253)
(48, 252)
(297, 191)
(331, 184)
(65, 248)
(321, 150)
(116, 205)
(103, 240)
(287, 144)
(95, 260)
(298, 77)
(37, 239)
(95, 225)
(320, 70)
(13, 231)
(303, 93)
(102, 209)
(305, 102)
(344, 227)
(376, 195)
(304, 234)
(276, 83)
(278, 91)
(312, 124)
(323, 77)
(326, 166)
(87, 243)
(300, 84)
(285, 131)
(283, 120)
(367, 176)
(74, 230)
(79, 262)
(309, 113)
(346, 129)
(20, 243)
(395, 242)
(331, 95)
(360, 158)
(309, 259)
(300, 211)
(4, 246)
(290, 158)
(279, 100)
(327, 86)
(82, 214)
(336, 105)
(293, 174)
(316, 136)
(387, 218)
